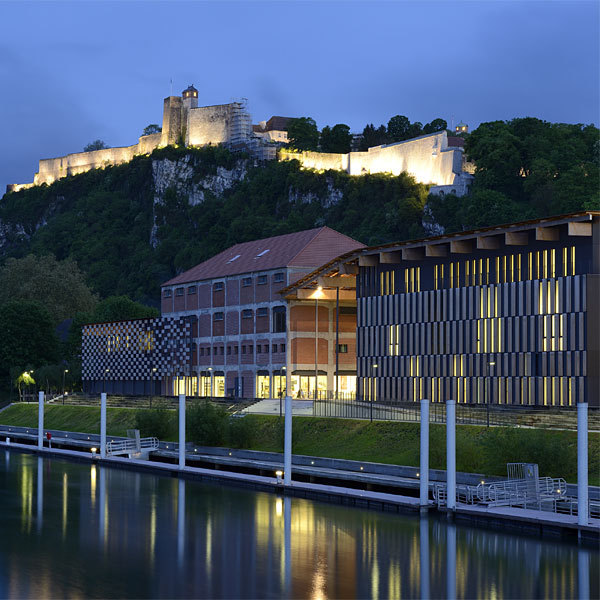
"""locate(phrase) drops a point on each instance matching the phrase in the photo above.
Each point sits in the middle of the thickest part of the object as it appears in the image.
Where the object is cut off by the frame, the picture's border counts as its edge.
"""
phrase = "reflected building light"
(394, 581)
(278, 507)
(180, 522)
(65, 489)
(375, 579)
(26, 498)
(152, 526)
(93, 485)
(208, 546)
(40, 492)
(318, 585)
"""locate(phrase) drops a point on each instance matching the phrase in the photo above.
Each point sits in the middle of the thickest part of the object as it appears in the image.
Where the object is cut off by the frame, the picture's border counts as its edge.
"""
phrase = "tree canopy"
(336, 139)
(95, 145)
(303, 134)
(59, 285)
(152, 128)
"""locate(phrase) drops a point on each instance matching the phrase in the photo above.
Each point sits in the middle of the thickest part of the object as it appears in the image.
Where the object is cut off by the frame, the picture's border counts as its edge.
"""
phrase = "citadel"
(433, 159)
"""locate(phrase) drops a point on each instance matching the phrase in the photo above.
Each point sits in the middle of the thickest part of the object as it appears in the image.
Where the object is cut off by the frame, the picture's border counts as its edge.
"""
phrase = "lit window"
(343, 348)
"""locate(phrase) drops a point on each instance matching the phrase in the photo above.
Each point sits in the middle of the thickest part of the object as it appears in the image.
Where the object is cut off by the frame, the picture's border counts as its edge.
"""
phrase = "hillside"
(133, 226)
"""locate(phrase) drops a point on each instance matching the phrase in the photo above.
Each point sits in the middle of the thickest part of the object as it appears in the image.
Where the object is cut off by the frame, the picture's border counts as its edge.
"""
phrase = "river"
(75, 530)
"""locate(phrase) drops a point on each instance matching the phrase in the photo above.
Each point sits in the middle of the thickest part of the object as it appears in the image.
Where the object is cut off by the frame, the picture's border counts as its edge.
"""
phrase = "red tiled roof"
(454, 140)
(310, 248)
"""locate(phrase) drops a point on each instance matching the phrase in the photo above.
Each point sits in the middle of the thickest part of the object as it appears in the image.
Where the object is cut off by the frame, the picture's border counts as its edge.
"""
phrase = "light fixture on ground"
(65, 371)
(490, 364)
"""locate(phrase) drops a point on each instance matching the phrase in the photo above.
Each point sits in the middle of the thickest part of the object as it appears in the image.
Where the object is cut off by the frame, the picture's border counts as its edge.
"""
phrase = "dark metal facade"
(516, 324)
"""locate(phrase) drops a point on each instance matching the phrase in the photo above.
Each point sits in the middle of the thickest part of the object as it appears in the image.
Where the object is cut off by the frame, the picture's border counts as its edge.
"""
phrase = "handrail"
(129, 446)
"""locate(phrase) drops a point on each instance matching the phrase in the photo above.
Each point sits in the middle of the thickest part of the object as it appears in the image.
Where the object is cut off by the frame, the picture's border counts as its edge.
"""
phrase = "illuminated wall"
(428, 159)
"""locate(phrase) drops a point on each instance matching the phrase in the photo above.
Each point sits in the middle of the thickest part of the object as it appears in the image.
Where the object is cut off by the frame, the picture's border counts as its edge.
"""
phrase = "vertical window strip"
(565, 261)
(572, 260)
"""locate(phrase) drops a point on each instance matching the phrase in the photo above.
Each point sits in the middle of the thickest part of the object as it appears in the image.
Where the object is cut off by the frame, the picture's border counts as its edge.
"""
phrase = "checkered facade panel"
(133, 349)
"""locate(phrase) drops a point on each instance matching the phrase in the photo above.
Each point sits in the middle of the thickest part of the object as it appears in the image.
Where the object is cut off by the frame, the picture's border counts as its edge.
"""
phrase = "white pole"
(582, 463)
(181, 431)
(103, 425)
(451, 454)
(287, 444)
(583, 575)
(424, 469)
(180, 522)
(40, 419)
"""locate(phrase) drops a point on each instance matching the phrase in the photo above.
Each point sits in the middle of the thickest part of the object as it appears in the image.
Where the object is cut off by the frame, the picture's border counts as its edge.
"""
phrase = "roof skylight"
(262, 253)
(234, 258)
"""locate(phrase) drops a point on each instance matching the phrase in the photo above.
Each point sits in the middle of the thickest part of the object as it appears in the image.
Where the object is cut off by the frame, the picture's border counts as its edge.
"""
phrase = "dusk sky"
(73, 72)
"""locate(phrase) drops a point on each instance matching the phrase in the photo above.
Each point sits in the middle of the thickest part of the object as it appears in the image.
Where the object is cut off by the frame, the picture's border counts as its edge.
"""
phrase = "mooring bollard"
(451, 454)
(181, 431)
(41, 420)
(582, 463)
(103, 425)
(424, 470)
(287, 443)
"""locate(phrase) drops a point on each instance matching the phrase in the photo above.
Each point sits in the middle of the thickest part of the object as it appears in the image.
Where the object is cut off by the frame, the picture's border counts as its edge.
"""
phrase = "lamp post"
(107, 370)
(65, 371)
(490, 364)
(210, 370)
(373, 386)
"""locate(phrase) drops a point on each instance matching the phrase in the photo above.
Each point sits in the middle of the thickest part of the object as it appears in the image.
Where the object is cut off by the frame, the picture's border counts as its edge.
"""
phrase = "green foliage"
(241, 432)
(398, 128)
(435, 125)
(156, 422)
(59, 285)
(336, 139)
(95, 145)
(373, 137)
(207, 424)
(27, 337)
(152, 128)
(303, 134)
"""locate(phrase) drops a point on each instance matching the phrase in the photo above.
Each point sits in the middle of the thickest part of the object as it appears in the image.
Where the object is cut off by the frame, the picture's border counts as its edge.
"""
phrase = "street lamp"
(107, 370)
(210, 370)
(65, 371)
(490, 364)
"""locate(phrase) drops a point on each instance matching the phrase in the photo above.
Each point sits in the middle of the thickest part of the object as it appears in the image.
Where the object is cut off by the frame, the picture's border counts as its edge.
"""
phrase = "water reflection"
(104, 532)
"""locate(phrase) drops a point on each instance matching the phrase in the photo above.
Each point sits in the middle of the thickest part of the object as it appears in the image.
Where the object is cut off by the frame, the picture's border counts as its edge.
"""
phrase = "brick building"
(245, 337)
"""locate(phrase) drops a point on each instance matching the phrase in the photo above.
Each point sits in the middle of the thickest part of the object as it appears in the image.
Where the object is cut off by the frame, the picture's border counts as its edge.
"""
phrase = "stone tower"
(171, 126)
(190, 97)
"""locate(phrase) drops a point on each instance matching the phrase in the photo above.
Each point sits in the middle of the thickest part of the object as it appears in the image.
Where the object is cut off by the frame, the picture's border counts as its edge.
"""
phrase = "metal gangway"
(133, 445)
(523, 488)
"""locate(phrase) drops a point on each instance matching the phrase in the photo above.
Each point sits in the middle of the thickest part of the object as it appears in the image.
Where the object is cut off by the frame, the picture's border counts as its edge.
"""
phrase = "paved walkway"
(271, 407)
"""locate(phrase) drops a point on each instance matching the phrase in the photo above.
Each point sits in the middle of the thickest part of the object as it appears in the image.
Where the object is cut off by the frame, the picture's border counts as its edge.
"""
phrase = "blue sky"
(73, 72)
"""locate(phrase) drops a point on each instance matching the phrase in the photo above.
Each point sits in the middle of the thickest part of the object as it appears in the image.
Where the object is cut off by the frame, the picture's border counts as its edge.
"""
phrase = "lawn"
(478, 449)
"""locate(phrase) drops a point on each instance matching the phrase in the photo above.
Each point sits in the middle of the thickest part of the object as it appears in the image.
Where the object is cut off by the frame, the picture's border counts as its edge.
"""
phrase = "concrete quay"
(337, 488)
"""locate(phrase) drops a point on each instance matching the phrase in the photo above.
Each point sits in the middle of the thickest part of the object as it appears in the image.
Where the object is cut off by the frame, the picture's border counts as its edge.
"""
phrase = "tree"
(59, 285)
(152, 128)
(373, 137)
(398, 128)
(435, 126)
(95, 145)
(27, 336)
(23, 380)
(303, 134)
(336, 139)
(415, 130)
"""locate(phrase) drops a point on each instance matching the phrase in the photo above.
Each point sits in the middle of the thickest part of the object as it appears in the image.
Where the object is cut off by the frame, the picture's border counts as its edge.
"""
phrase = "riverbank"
(478, 449)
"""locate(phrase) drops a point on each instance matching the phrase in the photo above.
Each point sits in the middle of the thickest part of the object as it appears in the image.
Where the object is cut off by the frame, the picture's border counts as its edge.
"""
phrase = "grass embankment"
(478, 449)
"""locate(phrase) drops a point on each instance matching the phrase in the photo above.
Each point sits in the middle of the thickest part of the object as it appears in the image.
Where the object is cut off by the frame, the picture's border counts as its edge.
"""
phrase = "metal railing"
(132, 446)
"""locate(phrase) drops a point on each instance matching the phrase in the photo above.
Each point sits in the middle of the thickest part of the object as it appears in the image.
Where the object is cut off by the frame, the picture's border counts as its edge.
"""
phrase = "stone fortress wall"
(427, 158)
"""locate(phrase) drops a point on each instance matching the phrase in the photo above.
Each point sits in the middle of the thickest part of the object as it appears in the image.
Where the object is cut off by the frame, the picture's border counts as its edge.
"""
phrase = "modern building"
(244, 335)
(508, 315)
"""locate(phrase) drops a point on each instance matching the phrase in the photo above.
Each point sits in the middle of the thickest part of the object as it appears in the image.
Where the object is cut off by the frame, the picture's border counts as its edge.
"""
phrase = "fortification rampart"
(428, 159)
(208, 125)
